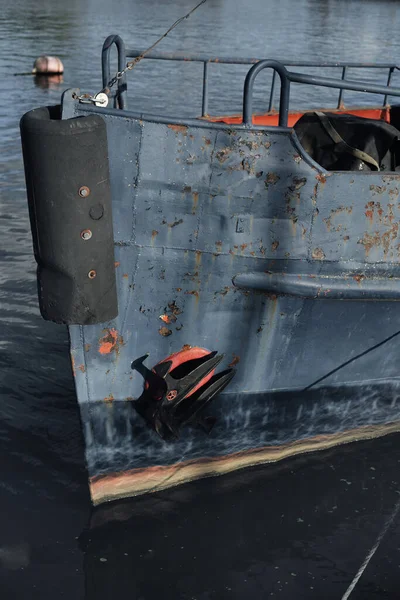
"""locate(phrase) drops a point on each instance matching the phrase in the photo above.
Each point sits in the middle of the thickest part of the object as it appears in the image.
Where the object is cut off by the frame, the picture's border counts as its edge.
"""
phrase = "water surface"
(43, 493)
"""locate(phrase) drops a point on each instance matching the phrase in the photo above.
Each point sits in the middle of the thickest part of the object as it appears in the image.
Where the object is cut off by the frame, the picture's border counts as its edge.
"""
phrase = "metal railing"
(279, 68)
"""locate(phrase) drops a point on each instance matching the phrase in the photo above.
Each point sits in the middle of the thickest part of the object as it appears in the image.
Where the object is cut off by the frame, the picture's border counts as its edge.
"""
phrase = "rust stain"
(193, 293)
(358, 278)
(315, 194)
(175, 223)
(274, 245)
(218, 246)
(318, 254)
(394, 193)
(125, 275)
(195, 202)
(73, 364)
(117, 263)
(377, 189)
(186, 347)
(206, 141)
(321, 178)
(82, 368)
(334, 213)
(243, 247)
(298, 183)
(87, 347)
(234, 361)
(164, 331)
(271, 179)
(109, 398)
(154, 234)
(377, 239)
(346, 238)
(178, 289)
(198, 258)
(223, 154)
(110, 342)
(175, 310)
(178, 128)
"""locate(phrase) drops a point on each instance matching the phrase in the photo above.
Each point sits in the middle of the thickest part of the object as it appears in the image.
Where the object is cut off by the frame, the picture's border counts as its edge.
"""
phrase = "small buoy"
(48, 65)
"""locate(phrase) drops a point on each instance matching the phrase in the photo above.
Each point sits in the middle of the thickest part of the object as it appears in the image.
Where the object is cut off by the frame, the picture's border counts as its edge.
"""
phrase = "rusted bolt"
(84, 191)
(86, 234)
(92, 274)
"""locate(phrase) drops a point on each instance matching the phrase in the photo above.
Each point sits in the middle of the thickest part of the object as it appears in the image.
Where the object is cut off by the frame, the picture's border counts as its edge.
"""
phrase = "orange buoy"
(48, 65)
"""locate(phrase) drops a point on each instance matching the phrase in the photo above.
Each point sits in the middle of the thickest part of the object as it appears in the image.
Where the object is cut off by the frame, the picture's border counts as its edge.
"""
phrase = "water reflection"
(283, 529)
(48, 82)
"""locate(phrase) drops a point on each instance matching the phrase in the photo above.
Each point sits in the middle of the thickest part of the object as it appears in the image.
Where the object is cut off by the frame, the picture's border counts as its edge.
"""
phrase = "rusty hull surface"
(194, 206)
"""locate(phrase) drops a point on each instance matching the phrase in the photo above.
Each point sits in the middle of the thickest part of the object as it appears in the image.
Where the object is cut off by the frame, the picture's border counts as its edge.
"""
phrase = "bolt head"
(84, 191)
(86, 234)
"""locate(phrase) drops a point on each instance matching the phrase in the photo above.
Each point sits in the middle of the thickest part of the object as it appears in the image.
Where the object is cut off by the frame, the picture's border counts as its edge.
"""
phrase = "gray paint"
(195, 206)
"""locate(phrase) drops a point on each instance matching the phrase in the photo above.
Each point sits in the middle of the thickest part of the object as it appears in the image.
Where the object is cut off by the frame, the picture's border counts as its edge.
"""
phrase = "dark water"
(298, 530)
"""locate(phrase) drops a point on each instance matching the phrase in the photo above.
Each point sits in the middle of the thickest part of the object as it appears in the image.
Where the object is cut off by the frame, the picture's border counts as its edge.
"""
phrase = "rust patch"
(297, 158)
(234, 361)
(154, 234)
(346, 238)
(206, 141)
(110, 342)
(174, 309)
(166, 318)
(73, 364)
(117, 263)
(318, 254)
(334, 213)
(187, 189)
(358, 278)
(271, 179)
(394, 193)
(274, 245)
(193, 293)
(175, 223)
(109, 398)
(377, 189)
(125, 275)
(87, 347)
(321, 178)
(222, 292)
(195, 202)
(297, 183)
(376, 239)
(243, 247)
(164, 331)
(178, 128)
(82, 368)
(223, 154)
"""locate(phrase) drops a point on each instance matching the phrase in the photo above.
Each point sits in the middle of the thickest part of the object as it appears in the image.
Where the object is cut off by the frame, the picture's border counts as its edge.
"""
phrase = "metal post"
(204, 110)
(389, 79)
(271, 95)
(341, 92)
(121, 95)
(248, 91)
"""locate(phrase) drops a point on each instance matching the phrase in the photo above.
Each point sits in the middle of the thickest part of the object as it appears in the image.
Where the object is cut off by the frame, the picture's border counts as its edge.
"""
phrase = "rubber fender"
(69, 198)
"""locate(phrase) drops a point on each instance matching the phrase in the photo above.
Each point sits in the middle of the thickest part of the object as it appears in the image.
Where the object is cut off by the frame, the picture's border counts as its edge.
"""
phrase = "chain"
(101, 98)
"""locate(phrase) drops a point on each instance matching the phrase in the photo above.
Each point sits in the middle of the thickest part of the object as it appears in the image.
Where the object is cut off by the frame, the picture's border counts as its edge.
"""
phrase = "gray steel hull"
(244, 246)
